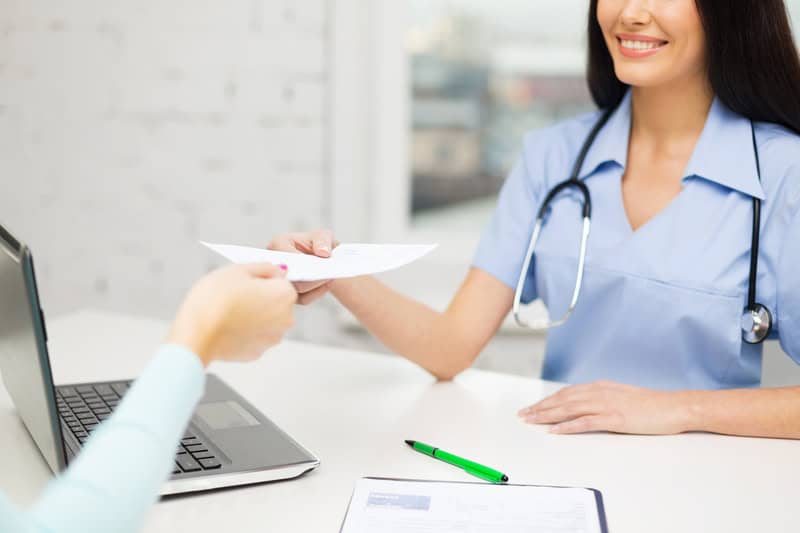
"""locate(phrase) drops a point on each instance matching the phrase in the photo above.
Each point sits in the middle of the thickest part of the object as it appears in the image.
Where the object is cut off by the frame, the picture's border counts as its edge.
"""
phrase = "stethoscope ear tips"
(756, 324)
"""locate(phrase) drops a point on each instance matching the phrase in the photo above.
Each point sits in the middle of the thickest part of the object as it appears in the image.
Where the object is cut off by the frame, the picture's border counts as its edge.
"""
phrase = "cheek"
(681, 20)
(697, 46)
(690, 55)
(608, 12)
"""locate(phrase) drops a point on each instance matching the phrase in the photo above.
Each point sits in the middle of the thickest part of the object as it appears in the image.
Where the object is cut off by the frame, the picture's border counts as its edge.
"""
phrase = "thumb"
(266, 270)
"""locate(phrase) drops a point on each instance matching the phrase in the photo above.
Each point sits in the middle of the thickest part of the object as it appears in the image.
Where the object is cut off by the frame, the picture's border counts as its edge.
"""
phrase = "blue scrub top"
(661, 306)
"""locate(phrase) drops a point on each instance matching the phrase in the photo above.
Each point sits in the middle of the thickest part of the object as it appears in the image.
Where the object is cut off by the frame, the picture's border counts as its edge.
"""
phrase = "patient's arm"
(234, 313)
(117, 475)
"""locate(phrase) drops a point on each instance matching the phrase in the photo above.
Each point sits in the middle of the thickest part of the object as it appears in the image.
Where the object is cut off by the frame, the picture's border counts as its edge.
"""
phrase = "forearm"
(407, 327)
(773, 412)
(117, 476)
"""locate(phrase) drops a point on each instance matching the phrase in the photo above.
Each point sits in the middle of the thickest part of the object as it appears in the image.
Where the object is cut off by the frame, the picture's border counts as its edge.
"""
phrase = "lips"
(639, 46)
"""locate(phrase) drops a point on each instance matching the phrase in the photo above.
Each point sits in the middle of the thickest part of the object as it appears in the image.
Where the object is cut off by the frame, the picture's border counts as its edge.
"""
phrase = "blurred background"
(131, 130)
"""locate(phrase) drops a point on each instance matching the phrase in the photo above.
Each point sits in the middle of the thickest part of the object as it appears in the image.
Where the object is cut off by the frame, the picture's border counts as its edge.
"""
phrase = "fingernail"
(555, 429)
(523, 412)
(283, 267)
(532, 418)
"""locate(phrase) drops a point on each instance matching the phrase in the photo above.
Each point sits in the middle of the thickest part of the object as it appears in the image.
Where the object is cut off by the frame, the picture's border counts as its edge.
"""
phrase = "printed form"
(395, 506)
(346, 261)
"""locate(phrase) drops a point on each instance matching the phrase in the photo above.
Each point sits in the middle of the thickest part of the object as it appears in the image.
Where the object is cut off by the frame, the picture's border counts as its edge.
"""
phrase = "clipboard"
(398, 483)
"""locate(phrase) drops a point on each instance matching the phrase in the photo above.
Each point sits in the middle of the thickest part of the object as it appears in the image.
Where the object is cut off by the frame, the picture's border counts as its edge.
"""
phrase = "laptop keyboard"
(83, 407)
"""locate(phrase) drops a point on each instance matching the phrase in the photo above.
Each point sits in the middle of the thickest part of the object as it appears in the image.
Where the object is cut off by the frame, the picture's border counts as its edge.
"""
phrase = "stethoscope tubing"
(573, 182)
(756, 320)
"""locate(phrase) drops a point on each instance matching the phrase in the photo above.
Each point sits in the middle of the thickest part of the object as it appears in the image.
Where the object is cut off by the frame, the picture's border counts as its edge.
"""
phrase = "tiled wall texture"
(131, 129)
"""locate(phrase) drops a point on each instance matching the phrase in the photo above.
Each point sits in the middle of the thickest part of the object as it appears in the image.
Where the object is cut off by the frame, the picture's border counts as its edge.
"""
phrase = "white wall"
(131, 129)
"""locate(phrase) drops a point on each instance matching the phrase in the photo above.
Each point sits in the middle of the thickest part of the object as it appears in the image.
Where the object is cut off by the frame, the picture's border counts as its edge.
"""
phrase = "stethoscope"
(756, 320)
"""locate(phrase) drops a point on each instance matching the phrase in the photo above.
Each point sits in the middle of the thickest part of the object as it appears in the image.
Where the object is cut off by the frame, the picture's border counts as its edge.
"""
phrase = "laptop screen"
(24, 365)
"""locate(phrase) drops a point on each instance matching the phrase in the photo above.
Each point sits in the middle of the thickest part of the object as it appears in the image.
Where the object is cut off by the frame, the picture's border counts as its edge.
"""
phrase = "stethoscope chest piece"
(756, 320)
(756, 324)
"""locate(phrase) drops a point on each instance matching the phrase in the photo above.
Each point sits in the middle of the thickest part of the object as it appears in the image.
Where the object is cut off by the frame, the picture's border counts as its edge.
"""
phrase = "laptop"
(228, 442)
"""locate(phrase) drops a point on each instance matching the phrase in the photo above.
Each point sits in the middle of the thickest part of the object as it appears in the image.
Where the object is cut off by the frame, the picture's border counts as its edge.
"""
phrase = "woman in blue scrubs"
(655, 344)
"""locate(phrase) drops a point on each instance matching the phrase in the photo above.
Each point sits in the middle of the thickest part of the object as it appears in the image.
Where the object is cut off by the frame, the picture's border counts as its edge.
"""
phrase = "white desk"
(323, 396)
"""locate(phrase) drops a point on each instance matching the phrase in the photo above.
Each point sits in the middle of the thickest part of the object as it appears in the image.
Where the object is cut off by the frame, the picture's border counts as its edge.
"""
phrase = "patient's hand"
(320, 243)
(235, 313)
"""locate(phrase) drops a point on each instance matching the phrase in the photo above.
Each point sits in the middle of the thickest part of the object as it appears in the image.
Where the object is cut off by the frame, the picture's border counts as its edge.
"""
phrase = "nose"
(636, 13)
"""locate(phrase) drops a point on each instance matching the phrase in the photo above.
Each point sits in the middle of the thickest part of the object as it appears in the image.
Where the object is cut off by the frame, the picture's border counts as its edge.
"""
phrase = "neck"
(671, 112)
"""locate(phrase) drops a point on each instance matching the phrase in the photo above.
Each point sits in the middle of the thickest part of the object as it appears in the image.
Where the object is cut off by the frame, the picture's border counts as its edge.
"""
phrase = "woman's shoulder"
(779, 156)
(556, 146)
(777, 139)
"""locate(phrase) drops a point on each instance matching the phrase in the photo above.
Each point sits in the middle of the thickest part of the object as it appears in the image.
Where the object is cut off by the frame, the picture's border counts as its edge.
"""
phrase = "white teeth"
(640, 45)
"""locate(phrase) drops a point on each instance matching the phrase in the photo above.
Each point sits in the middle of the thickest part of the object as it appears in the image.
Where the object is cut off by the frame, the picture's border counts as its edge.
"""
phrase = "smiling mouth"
(639, 48)
(641, 45)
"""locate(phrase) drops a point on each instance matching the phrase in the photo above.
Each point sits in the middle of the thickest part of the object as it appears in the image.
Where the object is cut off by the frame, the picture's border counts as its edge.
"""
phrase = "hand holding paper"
(347, 260)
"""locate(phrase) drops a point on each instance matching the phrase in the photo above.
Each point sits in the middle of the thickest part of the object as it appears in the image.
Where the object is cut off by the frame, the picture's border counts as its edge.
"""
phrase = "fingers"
(587, 423)
(562, 412)
(551, 401)
(285, 293)
(584, 391)
(322, 243)
(274, 297)
(304, 287)
(319, 243)
(581, 408)
(265, 270)
(292, 243)
(315, 294)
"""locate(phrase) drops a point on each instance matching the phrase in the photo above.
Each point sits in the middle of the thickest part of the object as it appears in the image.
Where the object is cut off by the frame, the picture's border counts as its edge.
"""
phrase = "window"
(482, 74)
(430, 101)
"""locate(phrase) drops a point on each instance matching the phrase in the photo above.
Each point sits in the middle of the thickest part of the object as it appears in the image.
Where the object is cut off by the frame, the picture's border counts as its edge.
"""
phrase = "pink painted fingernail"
(283, 267)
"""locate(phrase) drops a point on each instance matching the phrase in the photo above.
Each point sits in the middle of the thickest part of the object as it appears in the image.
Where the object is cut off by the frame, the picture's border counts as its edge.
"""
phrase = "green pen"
(470, 467)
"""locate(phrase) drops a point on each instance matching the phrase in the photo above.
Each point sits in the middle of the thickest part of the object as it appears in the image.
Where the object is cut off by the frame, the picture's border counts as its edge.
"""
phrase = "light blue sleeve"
(117, 476)
(504, 242)
(788, 307)
(12, 520)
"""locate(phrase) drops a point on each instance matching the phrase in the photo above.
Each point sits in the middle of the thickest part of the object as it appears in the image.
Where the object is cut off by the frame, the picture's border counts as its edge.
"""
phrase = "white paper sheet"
(346, 261)
(388, 506)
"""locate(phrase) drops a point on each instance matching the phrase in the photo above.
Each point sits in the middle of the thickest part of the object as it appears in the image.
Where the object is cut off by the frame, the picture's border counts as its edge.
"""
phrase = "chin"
(641, 76)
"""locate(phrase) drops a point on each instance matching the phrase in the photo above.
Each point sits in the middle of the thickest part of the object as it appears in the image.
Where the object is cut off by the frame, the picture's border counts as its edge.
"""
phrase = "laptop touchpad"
(225, 415)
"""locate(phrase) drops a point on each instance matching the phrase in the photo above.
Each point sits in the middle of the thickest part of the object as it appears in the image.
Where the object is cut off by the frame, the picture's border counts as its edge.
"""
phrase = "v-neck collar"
(724, 153)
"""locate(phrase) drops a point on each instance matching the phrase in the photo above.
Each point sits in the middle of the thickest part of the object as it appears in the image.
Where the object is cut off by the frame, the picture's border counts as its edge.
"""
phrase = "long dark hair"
(753, 65)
